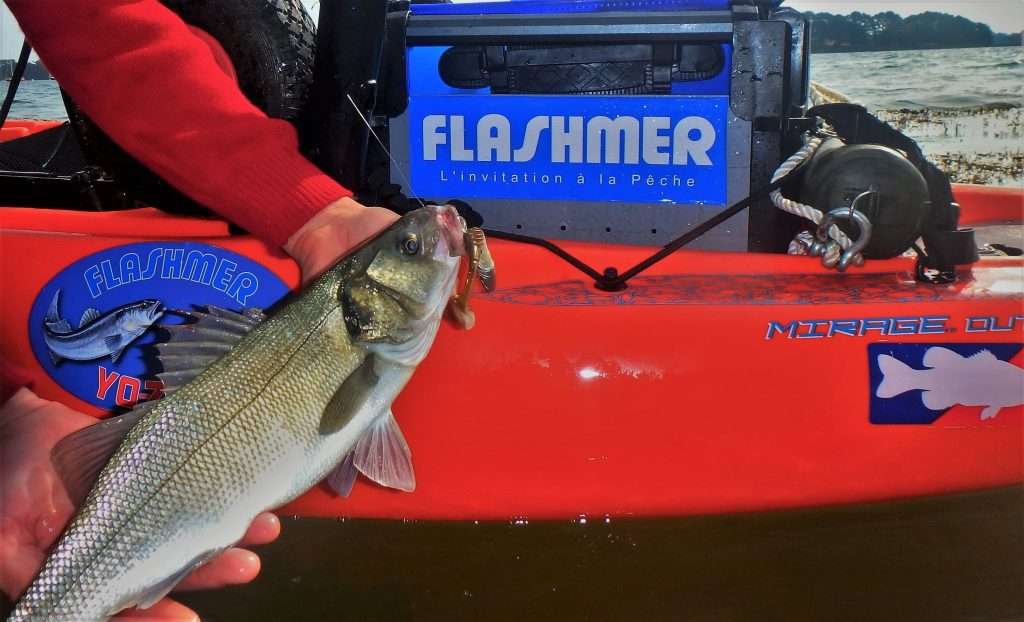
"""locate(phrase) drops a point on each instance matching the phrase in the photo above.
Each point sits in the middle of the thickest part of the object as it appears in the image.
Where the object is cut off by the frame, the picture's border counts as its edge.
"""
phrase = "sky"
(1001, 15)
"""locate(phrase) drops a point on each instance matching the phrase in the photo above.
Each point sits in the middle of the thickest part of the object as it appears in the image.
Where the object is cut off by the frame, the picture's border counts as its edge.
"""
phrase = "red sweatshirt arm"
(155, 88)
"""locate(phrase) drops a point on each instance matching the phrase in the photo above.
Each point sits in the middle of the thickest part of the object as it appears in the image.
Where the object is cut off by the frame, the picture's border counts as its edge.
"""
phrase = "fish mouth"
(453, 229)
(154, 309)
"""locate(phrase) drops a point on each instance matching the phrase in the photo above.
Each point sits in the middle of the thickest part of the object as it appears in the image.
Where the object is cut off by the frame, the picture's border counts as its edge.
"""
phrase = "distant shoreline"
(917, 49)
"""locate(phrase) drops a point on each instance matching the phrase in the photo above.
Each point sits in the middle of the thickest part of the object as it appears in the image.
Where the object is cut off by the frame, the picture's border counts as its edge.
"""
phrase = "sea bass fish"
(98, 335)
(979, 380)
(257, 412)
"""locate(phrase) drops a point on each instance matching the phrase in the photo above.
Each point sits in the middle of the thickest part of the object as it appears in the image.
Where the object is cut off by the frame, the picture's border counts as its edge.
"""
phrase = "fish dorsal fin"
(195, 346)
(90, 315)
(383, 455)
(941, 357)
(79, 457)
(343, 477)
(984, 355)
(350, 397)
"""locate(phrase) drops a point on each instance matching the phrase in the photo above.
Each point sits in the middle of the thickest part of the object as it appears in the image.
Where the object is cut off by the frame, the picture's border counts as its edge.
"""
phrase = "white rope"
(805, 153)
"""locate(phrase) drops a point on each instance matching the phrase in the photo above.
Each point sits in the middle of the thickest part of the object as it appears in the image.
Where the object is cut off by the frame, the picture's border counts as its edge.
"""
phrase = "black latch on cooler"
(625, 69)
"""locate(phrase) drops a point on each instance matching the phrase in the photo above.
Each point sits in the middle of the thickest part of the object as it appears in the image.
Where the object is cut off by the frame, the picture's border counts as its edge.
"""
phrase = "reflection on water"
(950, 558)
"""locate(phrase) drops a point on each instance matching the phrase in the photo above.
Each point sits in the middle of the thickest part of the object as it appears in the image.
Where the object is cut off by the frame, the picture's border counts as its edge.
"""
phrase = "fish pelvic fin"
(54, 357)
(383, 455)
(343, 477)
(897, 377)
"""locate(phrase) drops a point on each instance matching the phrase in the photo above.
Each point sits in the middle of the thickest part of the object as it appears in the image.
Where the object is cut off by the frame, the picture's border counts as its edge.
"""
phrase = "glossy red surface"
(664, 399)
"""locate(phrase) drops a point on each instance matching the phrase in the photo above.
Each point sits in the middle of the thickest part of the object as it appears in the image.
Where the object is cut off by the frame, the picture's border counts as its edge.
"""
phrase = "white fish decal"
(98, 335)
(978, 380)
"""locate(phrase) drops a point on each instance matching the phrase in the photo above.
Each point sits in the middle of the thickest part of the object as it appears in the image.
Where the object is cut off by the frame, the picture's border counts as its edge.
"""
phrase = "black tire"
(272, 45)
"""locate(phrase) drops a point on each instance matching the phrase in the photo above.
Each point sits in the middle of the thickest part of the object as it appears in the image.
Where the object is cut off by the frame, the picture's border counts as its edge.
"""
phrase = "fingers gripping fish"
(257, 411)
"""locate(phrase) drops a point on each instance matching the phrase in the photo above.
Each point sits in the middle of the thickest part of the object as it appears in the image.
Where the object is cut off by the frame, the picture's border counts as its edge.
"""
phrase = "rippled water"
(964, 107)
(36, 99)
(952, 79)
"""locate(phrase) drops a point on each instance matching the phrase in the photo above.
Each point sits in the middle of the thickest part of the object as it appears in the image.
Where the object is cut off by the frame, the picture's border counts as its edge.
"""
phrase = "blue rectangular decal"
(917, 383)
(575, 148)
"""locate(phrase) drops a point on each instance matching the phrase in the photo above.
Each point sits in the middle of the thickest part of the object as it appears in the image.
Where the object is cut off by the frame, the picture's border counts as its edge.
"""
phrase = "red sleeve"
(154, 87)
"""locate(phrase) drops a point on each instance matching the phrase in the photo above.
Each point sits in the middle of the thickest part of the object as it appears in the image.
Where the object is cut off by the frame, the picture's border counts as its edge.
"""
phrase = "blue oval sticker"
(90, 325)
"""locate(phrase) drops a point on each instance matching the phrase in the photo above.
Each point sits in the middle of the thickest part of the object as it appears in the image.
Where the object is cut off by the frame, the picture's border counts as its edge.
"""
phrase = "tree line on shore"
(860, 32)
(34, 70)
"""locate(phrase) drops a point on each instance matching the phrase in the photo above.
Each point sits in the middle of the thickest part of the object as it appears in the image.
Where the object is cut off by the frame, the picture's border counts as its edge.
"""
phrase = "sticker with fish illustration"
(91, 324)
(964, 384)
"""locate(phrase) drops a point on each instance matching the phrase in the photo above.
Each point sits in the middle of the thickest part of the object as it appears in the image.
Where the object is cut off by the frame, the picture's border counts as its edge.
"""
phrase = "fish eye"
(410, 245)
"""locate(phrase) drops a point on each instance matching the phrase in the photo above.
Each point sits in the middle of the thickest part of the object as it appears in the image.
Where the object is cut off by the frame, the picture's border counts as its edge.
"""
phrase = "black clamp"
(86, 180)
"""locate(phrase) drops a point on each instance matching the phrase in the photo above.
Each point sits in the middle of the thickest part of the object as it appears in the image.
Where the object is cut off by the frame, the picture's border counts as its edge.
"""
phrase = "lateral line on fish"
(145, 500)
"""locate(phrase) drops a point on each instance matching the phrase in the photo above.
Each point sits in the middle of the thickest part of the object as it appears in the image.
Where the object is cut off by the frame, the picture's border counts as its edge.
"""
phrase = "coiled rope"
(799, 246)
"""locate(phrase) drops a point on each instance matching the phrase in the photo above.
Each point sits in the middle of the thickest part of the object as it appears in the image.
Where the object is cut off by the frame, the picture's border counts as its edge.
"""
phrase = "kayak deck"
(715, 382)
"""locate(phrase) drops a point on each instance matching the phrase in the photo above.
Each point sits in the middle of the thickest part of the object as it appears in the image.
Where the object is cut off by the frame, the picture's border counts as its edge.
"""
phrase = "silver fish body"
(258, 427)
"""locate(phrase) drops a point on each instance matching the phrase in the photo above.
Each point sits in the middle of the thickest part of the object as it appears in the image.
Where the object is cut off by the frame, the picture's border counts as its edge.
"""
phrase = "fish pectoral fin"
(350, 397)
(990, 412)
(383, 455)
(343, 477)
(90, 315)
(152, 595)
(79, 457)
(113, 342)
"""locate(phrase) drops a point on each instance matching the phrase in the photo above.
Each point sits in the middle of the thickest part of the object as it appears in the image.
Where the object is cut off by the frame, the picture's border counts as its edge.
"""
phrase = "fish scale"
(240, 438)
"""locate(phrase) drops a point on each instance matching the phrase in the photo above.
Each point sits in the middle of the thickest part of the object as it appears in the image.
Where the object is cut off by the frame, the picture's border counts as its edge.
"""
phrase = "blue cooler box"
(609, 121)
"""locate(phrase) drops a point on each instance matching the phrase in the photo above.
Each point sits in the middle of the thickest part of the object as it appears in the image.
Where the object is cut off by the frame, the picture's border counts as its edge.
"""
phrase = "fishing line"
(394, 163)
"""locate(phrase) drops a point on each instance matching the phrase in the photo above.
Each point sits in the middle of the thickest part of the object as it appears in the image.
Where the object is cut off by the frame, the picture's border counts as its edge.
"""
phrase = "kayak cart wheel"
(271, 45)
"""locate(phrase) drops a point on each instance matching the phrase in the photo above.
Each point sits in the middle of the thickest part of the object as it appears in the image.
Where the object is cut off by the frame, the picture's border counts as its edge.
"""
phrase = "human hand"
(34, 508)
(333, 232)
